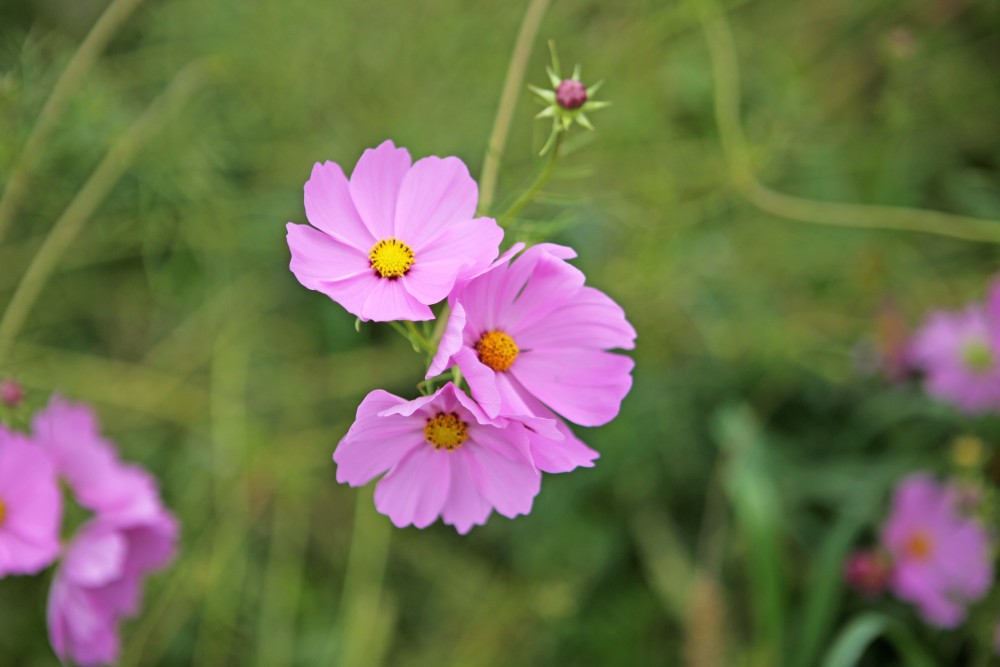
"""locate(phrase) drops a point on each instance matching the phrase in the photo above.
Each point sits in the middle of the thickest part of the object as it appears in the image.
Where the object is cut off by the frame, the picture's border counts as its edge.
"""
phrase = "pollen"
(3, 512)
(446, 431)
(919, 545)
(497, 350)
(391, 258)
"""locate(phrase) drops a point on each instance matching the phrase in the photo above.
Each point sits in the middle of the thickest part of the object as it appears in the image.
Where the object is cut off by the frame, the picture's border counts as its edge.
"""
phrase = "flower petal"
(415, 490)
(329, 207)
(318, 258)
(451, 342)
(466, 248)
(591, 319)
(509, 483)
(389, 300)
(375, 444)
(584, 386)
(436, 195)
(482, 381)
(375, 186)
(465, 507)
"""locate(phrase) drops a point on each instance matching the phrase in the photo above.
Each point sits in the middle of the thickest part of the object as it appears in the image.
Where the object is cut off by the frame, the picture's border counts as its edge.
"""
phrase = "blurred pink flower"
(99, 583)
(30, 506)
(868, 572)
(392, 240)
(530, 338)
(958, 354)
(941, 557)
(444, 457)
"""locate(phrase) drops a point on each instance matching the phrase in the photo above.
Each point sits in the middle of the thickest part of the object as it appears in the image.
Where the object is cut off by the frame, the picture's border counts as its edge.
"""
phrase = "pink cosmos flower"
(443, 457)
(941, 557)
(957, 351)
(530, 338)
(30, 506)
(99, 583)
(89, 463)
(394, 239)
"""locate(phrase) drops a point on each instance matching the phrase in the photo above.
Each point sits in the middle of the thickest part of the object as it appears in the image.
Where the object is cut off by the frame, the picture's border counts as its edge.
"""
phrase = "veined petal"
(436, 196)
(375, 186)
(584, 386)
(465, 506)
(509, 484)
(451, 341)
(415, 490)
(389, 300)
(465, 249)
(329, 207)
(590, 320)
(481, 379)
(318, 258)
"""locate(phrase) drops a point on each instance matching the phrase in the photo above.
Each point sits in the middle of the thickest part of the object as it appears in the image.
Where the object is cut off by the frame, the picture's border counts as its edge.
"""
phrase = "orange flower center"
(3, 512)
(497, 350)
(446, 431)
(919, 546)
(391, 258)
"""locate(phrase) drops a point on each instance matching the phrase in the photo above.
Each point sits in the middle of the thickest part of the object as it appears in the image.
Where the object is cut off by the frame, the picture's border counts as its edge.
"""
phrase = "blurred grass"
(172, 309)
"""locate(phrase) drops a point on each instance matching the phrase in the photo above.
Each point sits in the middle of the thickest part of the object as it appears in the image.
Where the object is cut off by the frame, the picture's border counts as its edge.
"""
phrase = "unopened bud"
(867, 572)
(571, 94)
(11, 393)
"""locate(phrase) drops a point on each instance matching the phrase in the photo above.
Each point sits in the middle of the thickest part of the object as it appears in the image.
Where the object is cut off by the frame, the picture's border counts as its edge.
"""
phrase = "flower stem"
(529, 195)
(512, 85)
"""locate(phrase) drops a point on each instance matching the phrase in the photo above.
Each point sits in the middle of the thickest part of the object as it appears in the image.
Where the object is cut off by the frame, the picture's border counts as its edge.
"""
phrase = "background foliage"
(756, 446)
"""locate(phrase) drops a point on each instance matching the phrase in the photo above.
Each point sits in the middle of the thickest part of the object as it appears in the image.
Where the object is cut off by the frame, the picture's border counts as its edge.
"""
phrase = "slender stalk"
(91, 47)
(512, 85)
(86, 201)
(725, 73)
(529, 195)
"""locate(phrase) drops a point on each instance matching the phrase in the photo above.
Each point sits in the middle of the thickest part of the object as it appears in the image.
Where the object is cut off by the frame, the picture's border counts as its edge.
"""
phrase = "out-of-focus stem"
(512, 85)
(725, 73)
(90, 196)
(529, 195)
(92, 45)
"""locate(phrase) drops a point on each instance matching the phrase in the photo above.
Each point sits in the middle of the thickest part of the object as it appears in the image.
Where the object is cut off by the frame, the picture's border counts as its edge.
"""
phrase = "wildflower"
(394, 239)
(957, 352)
(99, 583)
(941, 557)
(868, 572)
(443, 457)
(530, 338)
(30, 506)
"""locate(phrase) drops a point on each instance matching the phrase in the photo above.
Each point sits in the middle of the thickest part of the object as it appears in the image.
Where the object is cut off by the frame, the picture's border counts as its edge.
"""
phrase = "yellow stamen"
(391, 258)
(919, 545)
(3, 512)
(446, 431)
(497, 350)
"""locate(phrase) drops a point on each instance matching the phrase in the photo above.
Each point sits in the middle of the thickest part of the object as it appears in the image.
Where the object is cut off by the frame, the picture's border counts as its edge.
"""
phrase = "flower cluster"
(130, 534)
(958, 353)
(523, 330)
(935, 552)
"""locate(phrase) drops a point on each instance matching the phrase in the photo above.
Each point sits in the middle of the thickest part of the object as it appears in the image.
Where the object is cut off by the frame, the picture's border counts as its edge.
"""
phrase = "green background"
(758, 442)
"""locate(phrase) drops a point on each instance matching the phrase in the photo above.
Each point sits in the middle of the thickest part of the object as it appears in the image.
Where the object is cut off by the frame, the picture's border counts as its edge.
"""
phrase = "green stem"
(726, 78)
(529, 195)
(95, 41)
(512, 85)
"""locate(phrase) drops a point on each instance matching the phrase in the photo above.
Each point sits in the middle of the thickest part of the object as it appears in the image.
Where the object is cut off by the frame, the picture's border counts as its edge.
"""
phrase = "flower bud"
(571, 94)
(11, 393)
(867, 571)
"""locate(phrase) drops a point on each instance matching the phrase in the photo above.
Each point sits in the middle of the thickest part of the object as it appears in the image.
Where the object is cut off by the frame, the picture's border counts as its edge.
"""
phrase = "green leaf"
(859, 634)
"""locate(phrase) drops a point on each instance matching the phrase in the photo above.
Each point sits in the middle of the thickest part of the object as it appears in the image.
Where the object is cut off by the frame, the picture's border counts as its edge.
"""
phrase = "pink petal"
(482, 381)
(464, 507)
(584, 386)
(415, 490)
(374, 444)
(466, 248)
(555, 456)
(329, 207)
(551, 284)
(96, 557)
(451, 341)
(509, 483)
(389, 300)
(435, 197)
(351, 293)
(591, 319)
(318, 258)
(375, 186)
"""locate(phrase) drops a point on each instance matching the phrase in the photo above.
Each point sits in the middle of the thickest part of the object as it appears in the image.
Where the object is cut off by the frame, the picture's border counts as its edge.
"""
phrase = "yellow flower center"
(446, 431)
(919, 545)
(3, 512)
(497, 350)
(391, 258)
